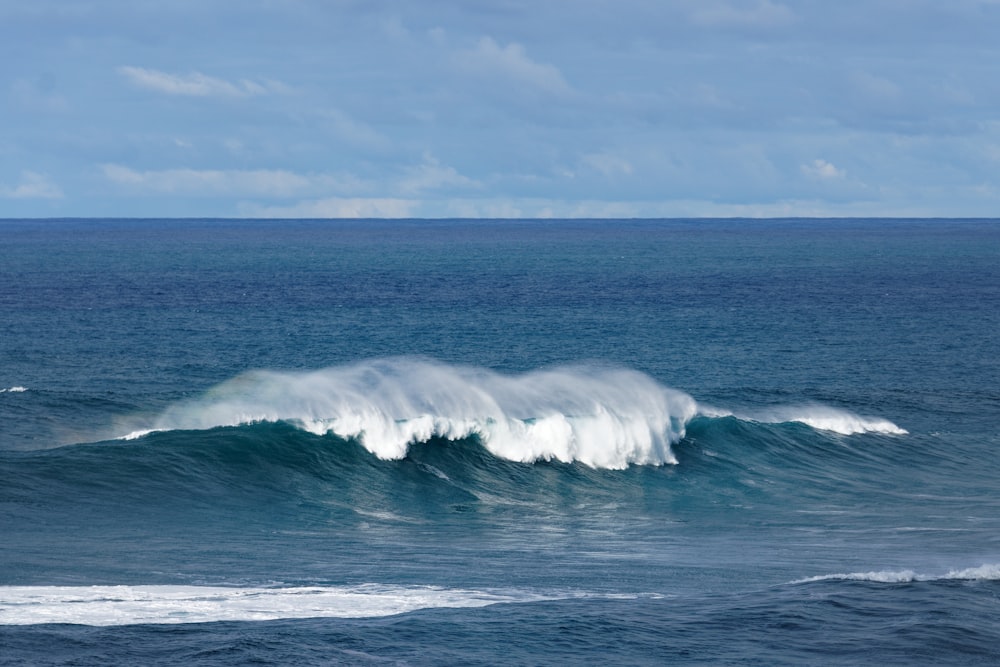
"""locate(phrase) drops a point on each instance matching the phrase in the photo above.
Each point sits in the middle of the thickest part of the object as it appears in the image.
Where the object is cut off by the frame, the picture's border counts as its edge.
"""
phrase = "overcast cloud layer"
(503, 108)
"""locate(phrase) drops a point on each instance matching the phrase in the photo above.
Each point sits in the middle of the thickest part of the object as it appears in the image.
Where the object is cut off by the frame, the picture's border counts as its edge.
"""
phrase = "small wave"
(604, 417)
(140, 433)
(130, 605)
(820, 417)
(13, 390)
(988, 572)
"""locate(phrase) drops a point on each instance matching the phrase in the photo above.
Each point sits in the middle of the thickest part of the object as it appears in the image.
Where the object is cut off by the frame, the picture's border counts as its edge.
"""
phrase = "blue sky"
(507, 108)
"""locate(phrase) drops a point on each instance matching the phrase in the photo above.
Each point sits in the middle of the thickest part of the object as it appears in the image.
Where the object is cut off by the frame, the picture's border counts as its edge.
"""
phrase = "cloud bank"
(708, 107)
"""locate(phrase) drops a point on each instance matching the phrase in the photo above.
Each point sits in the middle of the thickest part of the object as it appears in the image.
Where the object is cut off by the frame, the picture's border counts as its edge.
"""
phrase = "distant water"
(496, 442)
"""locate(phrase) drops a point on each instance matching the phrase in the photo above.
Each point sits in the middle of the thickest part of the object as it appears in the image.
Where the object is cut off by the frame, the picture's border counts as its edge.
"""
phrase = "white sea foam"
(820, 417)
(129, 605)
(605, 417)
(13, 390)
(989, 572)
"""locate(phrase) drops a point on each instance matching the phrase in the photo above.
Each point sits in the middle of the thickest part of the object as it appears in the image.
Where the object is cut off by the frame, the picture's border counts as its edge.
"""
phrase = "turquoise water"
(305, 442)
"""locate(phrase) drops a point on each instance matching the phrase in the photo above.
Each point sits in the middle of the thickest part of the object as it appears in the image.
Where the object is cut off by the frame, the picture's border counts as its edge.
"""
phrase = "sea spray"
(602, 416)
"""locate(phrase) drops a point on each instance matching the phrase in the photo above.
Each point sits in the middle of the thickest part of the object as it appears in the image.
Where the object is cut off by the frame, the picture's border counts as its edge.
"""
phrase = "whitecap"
(819, 417)
(987, 572)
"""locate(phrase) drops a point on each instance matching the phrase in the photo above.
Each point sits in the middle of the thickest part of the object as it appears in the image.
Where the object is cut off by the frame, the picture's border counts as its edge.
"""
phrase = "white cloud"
(413, 181)
(352, 131)
(195, 84)
(670, 208)
(485, 208)
(513, 63)
(335, 207)
(760, 14)
(32, 186)
(432, 175)
(822, 170)
(608, 164)
(215, 182)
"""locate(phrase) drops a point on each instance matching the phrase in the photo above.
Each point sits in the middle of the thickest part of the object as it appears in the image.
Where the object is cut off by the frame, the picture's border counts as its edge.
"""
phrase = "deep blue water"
(499, 442)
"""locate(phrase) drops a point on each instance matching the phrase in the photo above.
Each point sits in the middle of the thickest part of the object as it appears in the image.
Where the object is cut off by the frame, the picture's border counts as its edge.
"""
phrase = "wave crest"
(987, 572)
(604, 417)
(819, 417)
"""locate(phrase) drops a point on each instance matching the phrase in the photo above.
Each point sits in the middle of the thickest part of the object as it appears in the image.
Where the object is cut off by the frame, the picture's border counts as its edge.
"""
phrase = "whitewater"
(134, 605)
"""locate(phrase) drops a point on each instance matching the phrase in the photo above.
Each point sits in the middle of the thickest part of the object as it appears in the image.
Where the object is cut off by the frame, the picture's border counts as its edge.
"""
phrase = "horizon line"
(505, 219)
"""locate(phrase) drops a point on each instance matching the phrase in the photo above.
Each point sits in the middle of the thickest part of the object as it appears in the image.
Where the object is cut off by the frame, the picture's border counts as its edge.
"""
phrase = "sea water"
(499, 442)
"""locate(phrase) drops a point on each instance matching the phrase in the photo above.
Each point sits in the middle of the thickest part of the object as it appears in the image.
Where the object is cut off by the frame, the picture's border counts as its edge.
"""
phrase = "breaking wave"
(604, 417)
(988, 572)
(601, 416)
(819, 417)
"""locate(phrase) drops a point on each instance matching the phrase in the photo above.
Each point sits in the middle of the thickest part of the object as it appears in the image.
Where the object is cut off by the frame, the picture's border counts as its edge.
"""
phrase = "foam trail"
(13, 390)
(604, 417)
(130, 605)
(987, 572)
(819, 417)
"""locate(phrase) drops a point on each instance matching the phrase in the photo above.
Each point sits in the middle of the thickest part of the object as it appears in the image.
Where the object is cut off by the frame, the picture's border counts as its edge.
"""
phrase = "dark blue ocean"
(755, 442)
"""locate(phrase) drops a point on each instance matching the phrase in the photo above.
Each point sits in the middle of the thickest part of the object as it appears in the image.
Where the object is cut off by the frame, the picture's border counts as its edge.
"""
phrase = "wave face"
(604, 417)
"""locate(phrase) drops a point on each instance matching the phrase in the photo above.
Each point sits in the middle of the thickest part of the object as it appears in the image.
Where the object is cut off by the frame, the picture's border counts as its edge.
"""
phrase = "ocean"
(417, 442)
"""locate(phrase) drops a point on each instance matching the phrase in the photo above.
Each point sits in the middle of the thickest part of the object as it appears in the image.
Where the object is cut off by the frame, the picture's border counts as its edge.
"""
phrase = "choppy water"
(305, 442)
